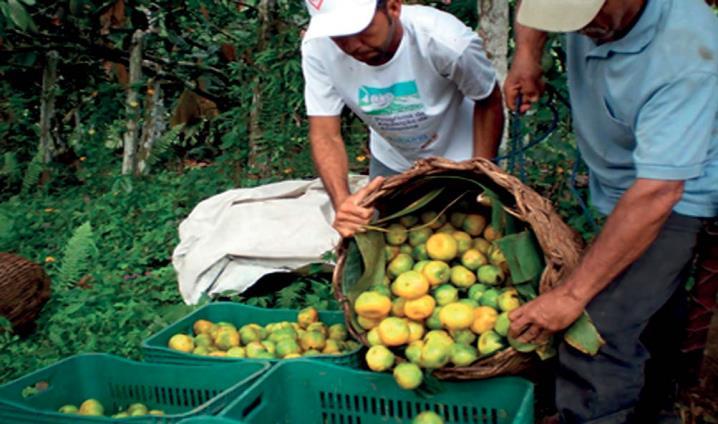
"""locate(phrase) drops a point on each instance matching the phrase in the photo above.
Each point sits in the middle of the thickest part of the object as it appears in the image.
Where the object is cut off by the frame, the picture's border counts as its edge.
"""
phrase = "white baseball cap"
(334, 18)
(558, 15)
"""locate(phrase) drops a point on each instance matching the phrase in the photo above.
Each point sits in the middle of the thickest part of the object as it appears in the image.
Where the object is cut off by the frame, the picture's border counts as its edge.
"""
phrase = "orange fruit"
(368, 323)
(474, 224)
(373, 305)
(307, 316)
(400, 264)
(490, 234)
(416, 331)
(379, 358)
(419, 236)
(410, 285)
(181, 342)
(463, 241)
(396, 234)
(397, 307)
(202, 326)
(442, 246)
(484, 319)
(473, 259)
(457, 219)
(408, 375)
(482, 245)
(456, 316)
(437, 272)
(394, 331)
(445, 294)
(508, 300)
(420, 308)
(462, 277)
(435, 219)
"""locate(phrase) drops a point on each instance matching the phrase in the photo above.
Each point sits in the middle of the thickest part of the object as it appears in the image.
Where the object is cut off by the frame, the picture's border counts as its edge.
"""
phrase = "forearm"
(330, 159)
(488, 125)
(629, 231)
(529, 42)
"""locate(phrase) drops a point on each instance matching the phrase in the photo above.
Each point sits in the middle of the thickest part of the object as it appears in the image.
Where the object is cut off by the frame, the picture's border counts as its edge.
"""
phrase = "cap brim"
(341, 22)
(556, 15)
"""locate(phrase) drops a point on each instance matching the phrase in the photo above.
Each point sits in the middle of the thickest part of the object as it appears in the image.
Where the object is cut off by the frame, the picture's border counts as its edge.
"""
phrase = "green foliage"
(77, 256)
(32, 173)
(313, 290)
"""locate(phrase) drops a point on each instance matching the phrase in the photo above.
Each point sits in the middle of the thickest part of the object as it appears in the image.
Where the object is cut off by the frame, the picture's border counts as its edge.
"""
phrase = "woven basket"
(24, 289)
(560, 244)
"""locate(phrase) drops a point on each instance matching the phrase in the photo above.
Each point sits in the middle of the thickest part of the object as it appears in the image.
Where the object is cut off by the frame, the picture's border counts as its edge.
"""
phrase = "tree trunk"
(256, 160)
(494, 28)
(154, 125)
(47, 106)
(494, 24)
(132, 106)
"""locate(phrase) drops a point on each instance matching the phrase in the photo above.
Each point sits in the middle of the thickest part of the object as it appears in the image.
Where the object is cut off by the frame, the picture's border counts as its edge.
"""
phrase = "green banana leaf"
(523, 257)
(413, 206)
(584, 336)
(371, 250)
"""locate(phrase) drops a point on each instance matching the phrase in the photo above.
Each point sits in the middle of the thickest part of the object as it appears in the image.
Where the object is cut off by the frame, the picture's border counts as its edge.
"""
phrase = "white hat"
(558, 15)
(334, 18)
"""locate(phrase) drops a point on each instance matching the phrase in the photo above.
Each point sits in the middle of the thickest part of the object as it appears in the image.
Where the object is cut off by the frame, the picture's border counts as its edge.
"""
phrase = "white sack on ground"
(232, 239)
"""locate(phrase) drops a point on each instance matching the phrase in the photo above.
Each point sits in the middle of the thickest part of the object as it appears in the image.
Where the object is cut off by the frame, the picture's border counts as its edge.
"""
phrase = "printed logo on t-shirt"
(397, 111)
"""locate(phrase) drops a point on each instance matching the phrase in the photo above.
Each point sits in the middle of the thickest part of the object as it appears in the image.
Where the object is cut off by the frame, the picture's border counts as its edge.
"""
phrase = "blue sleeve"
(675, 126)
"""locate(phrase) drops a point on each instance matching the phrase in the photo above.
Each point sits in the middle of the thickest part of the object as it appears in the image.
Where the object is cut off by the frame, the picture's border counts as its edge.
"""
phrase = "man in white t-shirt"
(417, 76)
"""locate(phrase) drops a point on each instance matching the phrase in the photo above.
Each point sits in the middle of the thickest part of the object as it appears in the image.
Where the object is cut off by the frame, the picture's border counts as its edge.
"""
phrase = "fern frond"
(290, 296)
(163, 143)
(33, 172)
(78, 254)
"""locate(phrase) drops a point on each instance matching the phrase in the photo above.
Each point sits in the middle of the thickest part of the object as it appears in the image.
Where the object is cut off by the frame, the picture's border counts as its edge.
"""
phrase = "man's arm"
(330, 159)
(488, 125)
(525, 75)
(630, 229)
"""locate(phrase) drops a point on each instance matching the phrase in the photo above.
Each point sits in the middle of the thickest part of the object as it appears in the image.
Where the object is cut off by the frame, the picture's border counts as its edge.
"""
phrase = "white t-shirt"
(421, 102)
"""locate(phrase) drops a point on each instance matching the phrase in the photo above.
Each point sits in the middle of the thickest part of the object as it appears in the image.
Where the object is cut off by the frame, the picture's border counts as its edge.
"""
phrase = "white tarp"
(232, 239)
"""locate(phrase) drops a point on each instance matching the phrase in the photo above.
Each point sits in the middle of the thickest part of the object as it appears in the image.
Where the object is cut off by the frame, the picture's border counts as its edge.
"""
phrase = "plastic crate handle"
(253, 405)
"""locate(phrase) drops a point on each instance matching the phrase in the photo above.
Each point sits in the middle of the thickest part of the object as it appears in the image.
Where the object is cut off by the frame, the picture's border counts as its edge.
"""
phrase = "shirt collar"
(640, 35)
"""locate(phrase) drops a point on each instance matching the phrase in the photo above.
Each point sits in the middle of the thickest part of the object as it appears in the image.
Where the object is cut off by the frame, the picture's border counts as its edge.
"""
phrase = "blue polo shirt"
(646, 105)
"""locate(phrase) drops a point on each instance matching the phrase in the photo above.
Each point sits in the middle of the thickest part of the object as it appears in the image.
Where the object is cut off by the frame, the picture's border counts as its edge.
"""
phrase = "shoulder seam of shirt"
(432, 34)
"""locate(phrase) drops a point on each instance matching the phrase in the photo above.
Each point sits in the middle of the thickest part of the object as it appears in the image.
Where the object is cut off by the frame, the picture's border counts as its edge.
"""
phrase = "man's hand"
(350, 217)
(526, 78)
(549, 313)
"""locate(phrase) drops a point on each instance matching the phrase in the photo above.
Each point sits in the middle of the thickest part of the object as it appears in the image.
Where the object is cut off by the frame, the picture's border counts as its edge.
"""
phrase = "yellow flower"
(288, 170)
(361, 158)
(49, 259)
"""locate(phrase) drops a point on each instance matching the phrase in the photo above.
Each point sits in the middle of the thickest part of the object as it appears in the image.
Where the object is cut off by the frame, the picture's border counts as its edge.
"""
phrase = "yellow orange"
(442, 246)
(456, 316)
(394, 331)
(372, 305)
(420, 308)
(484, 319)
(410, 285)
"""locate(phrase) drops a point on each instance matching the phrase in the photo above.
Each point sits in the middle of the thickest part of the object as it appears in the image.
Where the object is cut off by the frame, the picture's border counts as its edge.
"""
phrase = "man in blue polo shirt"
(643, 81)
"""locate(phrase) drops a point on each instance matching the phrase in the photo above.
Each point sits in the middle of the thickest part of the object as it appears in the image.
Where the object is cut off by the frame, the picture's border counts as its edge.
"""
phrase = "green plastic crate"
(208, 420)
(155, 349)
(180, 391)
(312, 392)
